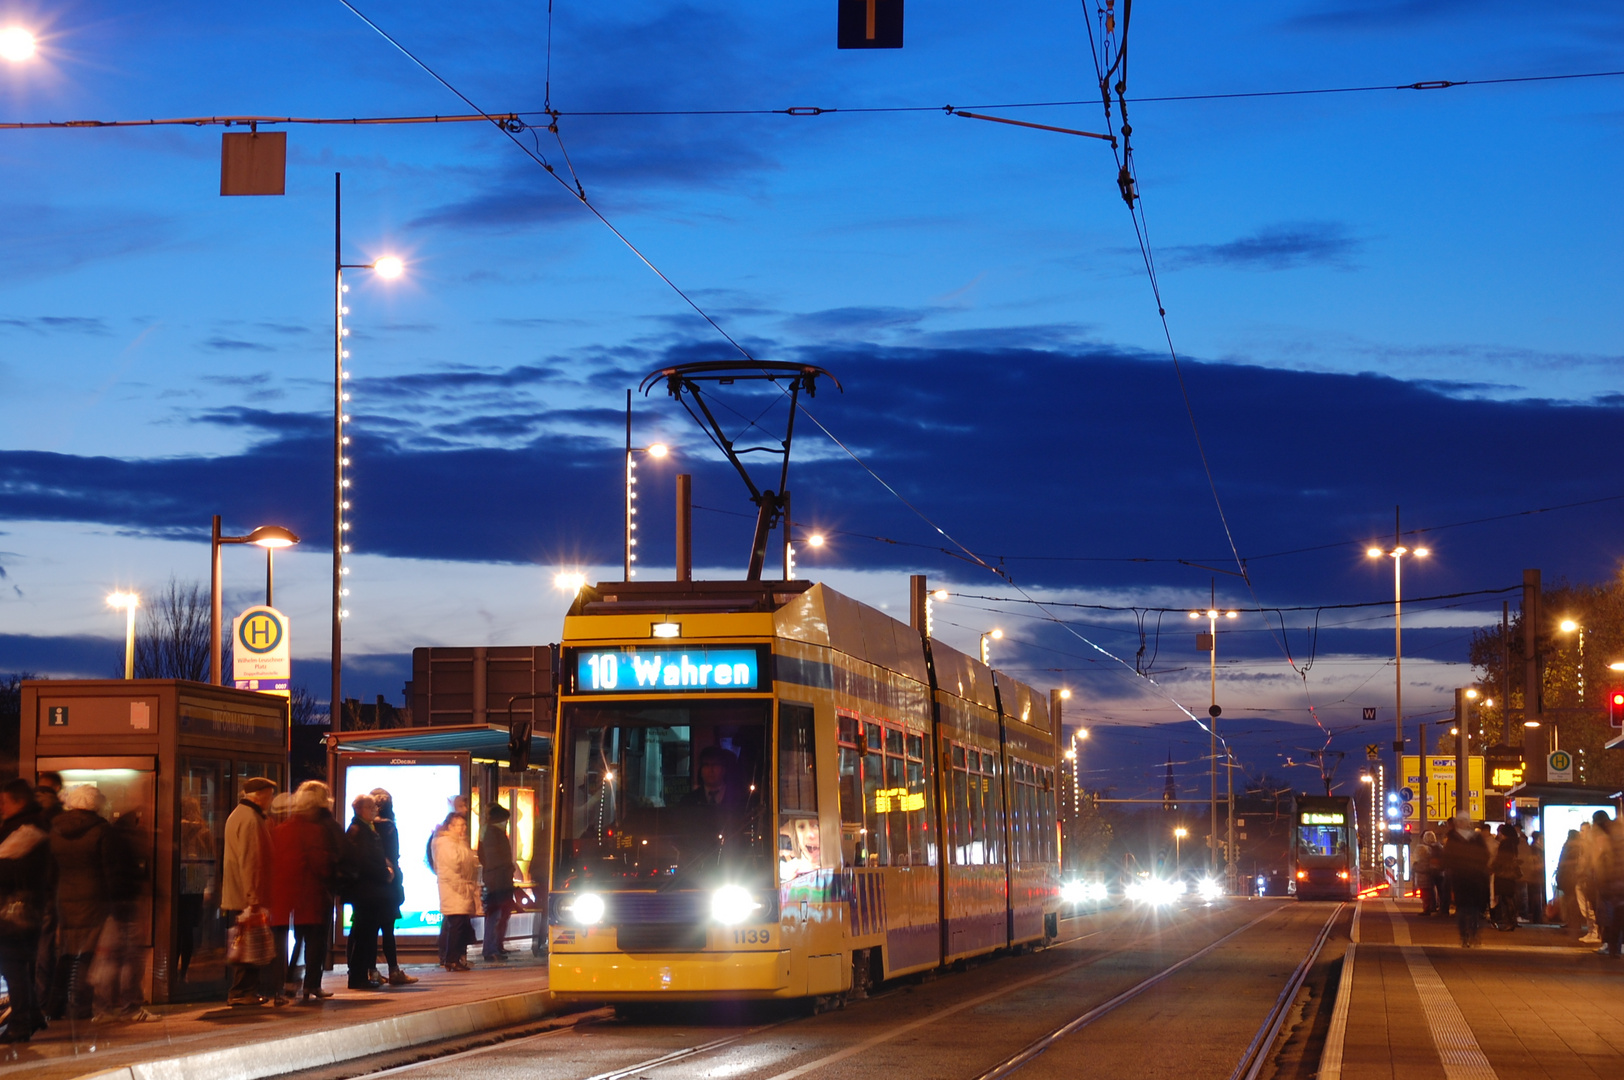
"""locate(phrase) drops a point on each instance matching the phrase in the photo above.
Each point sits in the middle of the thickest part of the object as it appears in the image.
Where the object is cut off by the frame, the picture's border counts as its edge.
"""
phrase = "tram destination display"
(667, 670)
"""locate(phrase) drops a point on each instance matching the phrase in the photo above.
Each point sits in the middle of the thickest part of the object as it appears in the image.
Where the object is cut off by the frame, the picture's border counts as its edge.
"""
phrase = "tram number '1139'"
(752, 937)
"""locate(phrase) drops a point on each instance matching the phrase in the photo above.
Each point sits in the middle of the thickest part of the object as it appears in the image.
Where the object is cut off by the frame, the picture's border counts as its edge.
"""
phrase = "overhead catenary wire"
(517, 116)
(579, 192)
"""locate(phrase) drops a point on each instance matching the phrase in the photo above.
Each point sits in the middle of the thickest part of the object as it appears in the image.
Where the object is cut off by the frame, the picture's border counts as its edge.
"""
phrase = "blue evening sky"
(1397, 297)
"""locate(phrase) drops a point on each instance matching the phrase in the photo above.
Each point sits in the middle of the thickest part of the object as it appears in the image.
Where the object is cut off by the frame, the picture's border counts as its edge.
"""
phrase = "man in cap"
(246, 875)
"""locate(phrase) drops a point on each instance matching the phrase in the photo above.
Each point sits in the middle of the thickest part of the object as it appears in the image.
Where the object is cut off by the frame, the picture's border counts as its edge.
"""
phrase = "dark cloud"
(225, 344)
(44, 324)
(41, 240)
(854, 321)
(1041, 461)
(1273, 247)
(1385, 14)
(62, 657)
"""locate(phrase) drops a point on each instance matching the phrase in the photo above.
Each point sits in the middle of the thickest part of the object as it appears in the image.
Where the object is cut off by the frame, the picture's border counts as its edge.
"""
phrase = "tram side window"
(874, 818)
(921, 851)
(800, 847)
(959, 820)
(853, 850)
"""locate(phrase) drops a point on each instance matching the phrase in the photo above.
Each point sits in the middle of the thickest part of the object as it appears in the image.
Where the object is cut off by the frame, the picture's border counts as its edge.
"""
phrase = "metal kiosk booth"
(175, 755)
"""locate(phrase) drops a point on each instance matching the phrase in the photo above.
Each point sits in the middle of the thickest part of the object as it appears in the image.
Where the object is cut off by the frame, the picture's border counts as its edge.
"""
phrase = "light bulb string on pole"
(1397, 553)
(387, 267)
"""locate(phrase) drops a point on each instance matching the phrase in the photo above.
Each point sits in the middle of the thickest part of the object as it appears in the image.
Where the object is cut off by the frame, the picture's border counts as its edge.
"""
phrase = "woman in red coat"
(304, 859)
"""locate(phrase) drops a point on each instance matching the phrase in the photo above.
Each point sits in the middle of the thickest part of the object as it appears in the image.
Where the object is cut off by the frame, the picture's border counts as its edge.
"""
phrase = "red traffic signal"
(1615, 707)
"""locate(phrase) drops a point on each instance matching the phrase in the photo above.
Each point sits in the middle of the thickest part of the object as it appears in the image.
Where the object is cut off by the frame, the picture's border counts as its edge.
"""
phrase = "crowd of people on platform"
(1499, 875)
(72, 882)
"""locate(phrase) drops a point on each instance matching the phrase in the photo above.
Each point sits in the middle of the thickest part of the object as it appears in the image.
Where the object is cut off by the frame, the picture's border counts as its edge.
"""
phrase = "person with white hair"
(78, 837)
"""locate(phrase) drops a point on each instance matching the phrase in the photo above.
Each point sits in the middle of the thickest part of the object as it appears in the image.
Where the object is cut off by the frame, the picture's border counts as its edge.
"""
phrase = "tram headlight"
(586, 909)
(732, 905)
(1074, 892)
(1210, 889)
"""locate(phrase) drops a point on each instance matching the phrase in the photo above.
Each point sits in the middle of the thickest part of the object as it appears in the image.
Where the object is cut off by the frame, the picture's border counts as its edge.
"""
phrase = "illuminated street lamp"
(1178, 849)
(570, 581)
(388, 267)
(1397, 553)
(986, 650)
(129, 601)
(17, 45)
(269, 537)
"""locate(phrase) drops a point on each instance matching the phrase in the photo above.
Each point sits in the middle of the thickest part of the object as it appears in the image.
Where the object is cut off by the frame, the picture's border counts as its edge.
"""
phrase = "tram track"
(761, 1050)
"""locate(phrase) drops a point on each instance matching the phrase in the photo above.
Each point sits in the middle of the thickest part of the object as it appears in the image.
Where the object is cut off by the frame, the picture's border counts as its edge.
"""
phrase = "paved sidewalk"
(1531, 1003)
(222, 1043)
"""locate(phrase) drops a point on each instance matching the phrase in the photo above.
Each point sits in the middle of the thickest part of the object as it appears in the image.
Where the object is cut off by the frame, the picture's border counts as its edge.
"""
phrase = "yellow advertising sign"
(1440, 787)
(888, 799)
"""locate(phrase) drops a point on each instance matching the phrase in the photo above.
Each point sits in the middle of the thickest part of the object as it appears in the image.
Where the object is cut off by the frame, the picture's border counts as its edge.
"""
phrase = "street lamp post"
(269, 537)
(1209, 641)
(986, 649)
(1397, 553)
(387, 267)
(654, 450)
(128, 601)
(1178, 850)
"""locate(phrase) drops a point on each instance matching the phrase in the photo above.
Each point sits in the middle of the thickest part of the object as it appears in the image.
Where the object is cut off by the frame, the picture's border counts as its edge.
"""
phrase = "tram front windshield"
(1322, 838)
(664, 794)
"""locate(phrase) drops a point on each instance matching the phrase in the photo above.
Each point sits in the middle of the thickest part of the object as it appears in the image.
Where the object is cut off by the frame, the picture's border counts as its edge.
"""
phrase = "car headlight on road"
(1210, 889)
(732, 905)
(586, 909)
(1073, 892)
(1097, 891)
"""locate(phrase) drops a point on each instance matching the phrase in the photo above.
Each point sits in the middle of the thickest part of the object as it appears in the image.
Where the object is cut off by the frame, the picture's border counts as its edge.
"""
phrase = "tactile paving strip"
(1457, 1047)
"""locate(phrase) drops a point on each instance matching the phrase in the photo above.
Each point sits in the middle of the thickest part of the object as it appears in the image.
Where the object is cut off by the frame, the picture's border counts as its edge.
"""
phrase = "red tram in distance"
(1325, 847)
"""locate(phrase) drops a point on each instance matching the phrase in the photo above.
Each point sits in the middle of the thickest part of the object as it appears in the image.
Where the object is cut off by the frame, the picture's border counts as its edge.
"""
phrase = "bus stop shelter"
(426, 770)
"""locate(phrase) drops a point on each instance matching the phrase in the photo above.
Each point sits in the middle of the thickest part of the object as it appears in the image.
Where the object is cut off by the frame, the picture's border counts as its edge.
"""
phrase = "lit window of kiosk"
(175, 754)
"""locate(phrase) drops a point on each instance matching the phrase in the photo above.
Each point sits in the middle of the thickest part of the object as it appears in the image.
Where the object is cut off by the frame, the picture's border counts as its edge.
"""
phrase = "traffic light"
(1615, 707)
(869, 24)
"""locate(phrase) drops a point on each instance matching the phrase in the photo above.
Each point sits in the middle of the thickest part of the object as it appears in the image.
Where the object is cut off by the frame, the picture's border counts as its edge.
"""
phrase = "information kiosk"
(170, 757)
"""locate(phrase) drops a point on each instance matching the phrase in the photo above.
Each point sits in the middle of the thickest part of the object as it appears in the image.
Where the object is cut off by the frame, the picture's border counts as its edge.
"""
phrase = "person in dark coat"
(78, 841)
(1466, 858)
(389, 833)
(25, 864)
(1567, 881)
(305, 851)
(496, 874)
(1505, 867)
(126, 869)
(48, 793)
(369, 893)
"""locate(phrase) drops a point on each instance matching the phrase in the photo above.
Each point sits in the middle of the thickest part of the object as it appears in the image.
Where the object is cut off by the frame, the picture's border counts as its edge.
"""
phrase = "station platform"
(212, 1041)
(1529, 1004)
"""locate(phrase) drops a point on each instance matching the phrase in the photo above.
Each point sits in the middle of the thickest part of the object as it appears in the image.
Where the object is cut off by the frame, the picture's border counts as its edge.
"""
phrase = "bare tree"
(303, 708)
(172, 640)
(11, 713)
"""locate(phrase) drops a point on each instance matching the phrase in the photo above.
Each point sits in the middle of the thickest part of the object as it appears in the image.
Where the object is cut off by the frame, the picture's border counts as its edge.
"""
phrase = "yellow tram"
(767, 789)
